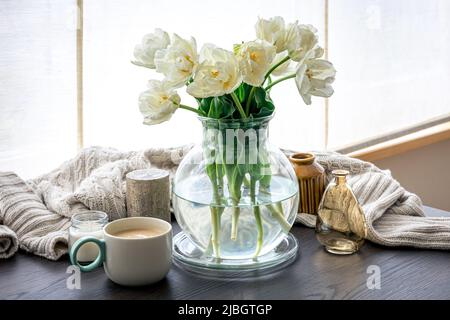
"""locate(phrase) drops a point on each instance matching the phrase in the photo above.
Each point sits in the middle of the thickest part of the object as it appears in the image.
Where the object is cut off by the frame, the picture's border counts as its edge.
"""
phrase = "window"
(37, 85)
(392, 60)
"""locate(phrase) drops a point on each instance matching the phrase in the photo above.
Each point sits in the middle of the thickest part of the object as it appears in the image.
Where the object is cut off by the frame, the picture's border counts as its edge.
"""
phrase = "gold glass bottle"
(341, 226)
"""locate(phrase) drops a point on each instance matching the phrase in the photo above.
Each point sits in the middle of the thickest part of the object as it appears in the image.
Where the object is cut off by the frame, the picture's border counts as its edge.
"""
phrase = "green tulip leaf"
(264, 104)
(204, 104)
(217, 107)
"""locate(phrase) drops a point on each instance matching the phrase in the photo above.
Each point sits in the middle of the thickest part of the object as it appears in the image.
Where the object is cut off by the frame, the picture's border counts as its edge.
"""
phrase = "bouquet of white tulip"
(233, 85)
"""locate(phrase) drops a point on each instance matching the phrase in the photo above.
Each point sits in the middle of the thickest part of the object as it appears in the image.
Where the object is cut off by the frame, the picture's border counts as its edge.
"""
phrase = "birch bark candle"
(89, 223)
(148, 193)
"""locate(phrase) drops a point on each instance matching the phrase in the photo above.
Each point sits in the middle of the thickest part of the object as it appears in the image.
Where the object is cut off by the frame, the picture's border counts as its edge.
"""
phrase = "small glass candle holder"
(89, 223)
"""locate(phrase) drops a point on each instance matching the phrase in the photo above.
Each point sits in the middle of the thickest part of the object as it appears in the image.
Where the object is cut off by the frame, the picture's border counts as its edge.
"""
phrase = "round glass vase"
(235, 197)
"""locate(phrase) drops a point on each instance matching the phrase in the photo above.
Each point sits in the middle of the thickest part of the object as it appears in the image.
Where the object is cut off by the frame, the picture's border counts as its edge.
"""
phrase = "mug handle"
(97, 262)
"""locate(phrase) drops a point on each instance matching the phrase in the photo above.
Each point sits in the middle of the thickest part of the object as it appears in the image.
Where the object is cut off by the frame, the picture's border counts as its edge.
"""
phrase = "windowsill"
(402, 144)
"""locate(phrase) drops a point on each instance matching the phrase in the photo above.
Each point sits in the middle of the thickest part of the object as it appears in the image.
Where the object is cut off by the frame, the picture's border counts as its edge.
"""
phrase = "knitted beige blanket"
(36, 213)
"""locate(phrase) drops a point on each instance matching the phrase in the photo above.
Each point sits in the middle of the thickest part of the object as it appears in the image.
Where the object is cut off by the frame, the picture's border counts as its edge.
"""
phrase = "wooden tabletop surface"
(315, 274)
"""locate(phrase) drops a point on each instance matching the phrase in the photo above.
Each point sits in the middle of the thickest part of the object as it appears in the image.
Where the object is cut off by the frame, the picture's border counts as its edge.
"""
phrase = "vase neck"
(340, 176)
(244, 124)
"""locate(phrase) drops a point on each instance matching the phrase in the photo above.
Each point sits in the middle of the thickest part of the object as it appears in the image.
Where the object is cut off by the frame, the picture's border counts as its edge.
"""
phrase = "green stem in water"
(249, 100)
(274, 67)
(279, 80)
(279, 206)
(259, 226)
(234, 221)
(277, 213)
(238, 105)
(234, 188)
(215, 222)
(215, 210)
(258, 219)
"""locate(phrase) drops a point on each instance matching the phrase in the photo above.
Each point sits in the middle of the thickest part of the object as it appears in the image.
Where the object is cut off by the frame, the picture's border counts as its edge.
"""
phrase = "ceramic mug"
(131, 262)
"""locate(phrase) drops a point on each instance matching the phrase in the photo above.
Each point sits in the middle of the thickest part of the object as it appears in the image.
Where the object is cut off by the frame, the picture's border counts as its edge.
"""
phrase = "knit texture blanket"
(36, 213)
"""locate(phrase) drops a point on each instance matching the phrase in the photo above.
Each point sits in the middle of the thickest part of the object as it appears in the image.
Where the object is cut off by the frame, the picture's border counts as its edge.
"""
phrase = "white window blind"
(392, 60)
(37, 85)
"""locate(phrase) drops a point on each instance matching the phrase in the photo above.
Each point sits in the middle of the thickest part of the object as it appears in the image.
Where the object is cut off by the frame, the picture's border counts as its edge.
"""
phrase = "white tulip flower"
(217, 74)
(292, 36)
(272, 31)
(255, 59)
(314, 78)
(145, 51)
(178, 61)
(159, 102)
(302, 42)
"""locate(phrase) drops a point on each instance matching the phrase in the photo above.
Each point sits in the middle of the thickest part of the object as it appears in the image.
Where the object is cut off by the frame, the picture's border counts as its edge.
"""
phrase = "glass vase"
(235, 197)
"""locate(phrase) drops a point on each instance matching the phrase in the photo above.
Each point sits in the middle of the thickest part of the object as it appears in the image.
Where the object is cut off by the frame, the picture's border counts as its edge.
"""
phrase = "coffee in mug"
(138, 233)
(134, 251)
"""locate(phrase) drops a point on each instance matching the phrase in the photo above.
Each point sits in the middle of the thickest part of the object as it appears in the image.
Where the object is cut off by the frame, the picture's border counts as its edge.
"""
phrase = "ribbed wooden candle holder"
(311, 181)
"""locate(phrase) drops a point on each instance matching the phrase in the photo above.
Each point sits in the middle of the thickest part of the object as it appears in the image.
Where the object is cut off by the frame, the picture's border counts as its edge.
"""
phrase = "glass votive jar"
(88, 223)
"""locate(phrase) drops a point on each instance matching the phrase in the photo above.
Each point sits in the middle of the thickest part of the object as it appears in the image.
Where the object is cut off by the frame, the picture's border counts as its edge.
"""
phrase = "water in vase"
(277, 209)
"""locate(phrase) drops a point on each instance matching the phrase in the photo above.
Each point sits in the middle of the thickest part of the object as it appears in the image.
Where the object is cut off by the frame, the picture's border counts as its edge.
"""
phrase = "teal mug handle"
(97, 262)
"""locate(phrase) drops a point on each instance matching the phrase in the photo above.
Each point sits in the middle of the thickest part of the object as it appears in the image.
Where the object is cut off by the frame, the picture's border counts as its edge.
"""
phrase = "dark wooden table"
(405, 274)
